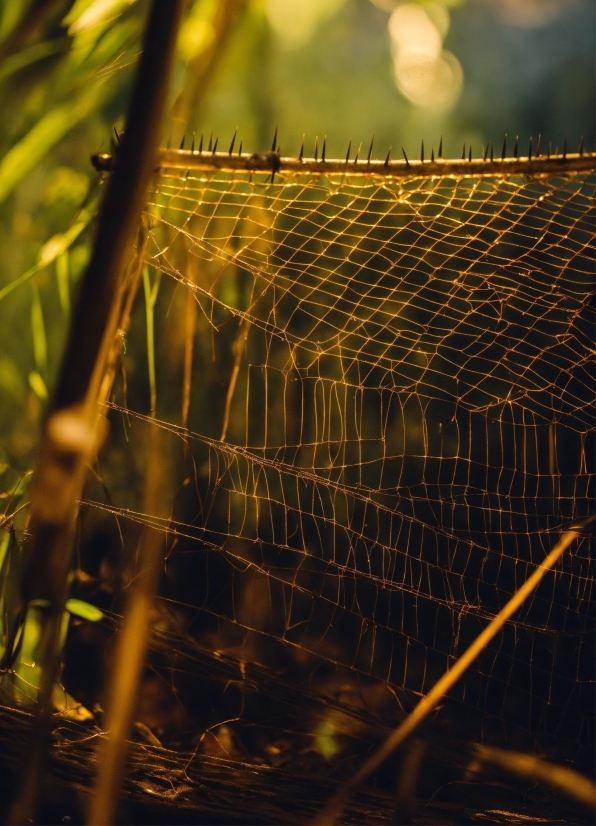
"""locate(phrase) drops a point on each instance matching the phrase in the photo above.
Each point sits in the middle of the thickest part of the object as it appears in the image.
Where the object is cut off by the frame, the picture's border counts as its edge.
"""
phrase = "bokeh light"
(425, 73)
(531, 13)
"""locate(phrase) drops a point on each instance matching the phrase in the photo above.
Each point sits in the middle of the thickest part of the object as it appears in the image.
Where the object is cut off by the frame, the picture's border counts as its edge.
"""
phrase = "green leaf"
(63, 278)
(85, 15)
(46, 133)
(11, 379)
(38, 385)
(38, 331)
(58, 244)
(26, 57)
(325, 742)
(84, 610)
(4, 542)
(52, 249)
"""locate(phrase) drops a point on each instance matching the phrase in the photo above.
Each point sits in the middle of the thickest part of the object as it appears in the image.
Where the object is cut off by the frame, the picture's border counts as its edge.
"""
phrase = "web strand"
(390, 420)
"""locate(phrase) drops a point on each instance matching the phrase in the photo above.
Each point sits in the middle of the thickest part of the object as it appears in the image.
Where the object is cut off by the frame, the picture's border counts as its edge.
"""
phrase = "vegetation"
(66, 71)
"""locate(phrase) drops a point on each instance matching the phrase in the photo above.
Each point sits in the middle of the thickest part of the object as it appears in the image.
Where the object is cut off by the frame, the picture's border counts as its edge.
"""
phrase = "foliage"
(66, 69)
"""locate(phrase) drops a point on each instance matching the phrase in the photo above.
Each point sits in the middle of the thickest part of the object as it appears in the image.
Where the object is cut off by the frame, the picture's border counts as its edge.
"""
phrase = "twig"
(238, 349)
(558, 778)
(70, 435)
(132, 645)
(271, 162)
(332, 811)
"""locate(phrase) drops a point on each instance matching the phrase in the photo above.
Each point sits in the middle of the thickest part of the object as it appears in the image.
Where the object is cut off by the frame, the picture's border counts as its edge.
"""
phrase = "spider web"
(391, 418)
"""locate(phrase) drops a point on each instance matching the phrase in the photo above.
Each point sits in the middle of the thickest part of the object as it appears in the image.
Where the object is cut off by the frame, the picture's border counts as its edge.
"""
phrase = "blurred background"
(405, 71)
(469, 70)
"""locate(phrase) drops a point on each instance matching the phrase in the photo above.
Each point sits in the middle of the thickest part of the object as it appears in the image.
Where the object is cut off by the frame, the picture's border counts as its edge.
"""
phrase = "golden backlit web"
(390, 419)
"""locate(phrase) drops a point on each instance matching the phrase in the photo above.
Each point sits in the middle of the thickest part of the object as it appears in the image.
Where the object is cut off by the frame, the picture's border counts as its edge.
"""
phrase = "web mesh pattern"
(391, 419)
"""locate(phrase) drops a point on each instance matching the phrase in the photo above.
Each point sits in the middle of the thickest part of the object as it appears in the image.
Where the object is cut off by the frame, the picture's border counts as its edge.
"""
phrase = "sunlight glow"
(295, 21)
(425, 73)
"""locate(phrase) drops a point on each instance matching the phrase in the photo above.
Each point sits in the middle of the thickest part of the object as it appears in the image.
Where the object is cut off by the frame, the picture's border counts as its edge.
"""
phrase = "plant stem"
(335, 806)
(132, 645)
(70, 438)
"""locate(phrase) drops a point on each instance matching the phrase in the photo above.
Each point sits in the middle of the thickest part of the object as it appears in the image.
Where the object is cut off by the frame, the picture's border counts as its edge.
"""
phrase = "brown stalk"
(190, 326)
(529, 767)
(239, 347)
(332, 811)
(200, 69)
(129, 291)
(132, 643)
(134, 638)
(70, 435)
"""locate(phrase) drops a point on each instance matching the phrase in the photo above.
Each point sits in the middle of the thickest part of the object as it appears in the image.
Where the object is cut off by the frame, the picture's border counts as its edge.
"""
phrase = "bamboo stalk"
(332, 811)
(70, 435)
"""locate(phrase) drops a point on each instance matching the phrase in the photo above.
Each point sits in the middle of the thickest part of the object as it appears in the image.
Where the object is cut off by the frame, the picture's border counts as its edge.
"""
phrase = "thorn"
(422, 152)
(470, 153)
(492, 153)
(372, 140)
(210, 142)
(348, 152)
(504, 150)
(440, 152)
(169, 143)
(530, 150)
(201, 145)
(486, 152)
(117, 135)
(580, 148)
(405, 156)
(323, 149)
(388, 158)
(274, 144)
(515, 147)
(215, 146)
(565, 148)
(192, 146)
(317, 148)
(301, 155)
(233, 141)
(272, 174)
(240, 149)
(182, 142)
(549, 149)
(432, 155)
(538, 146)
(357, 154)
